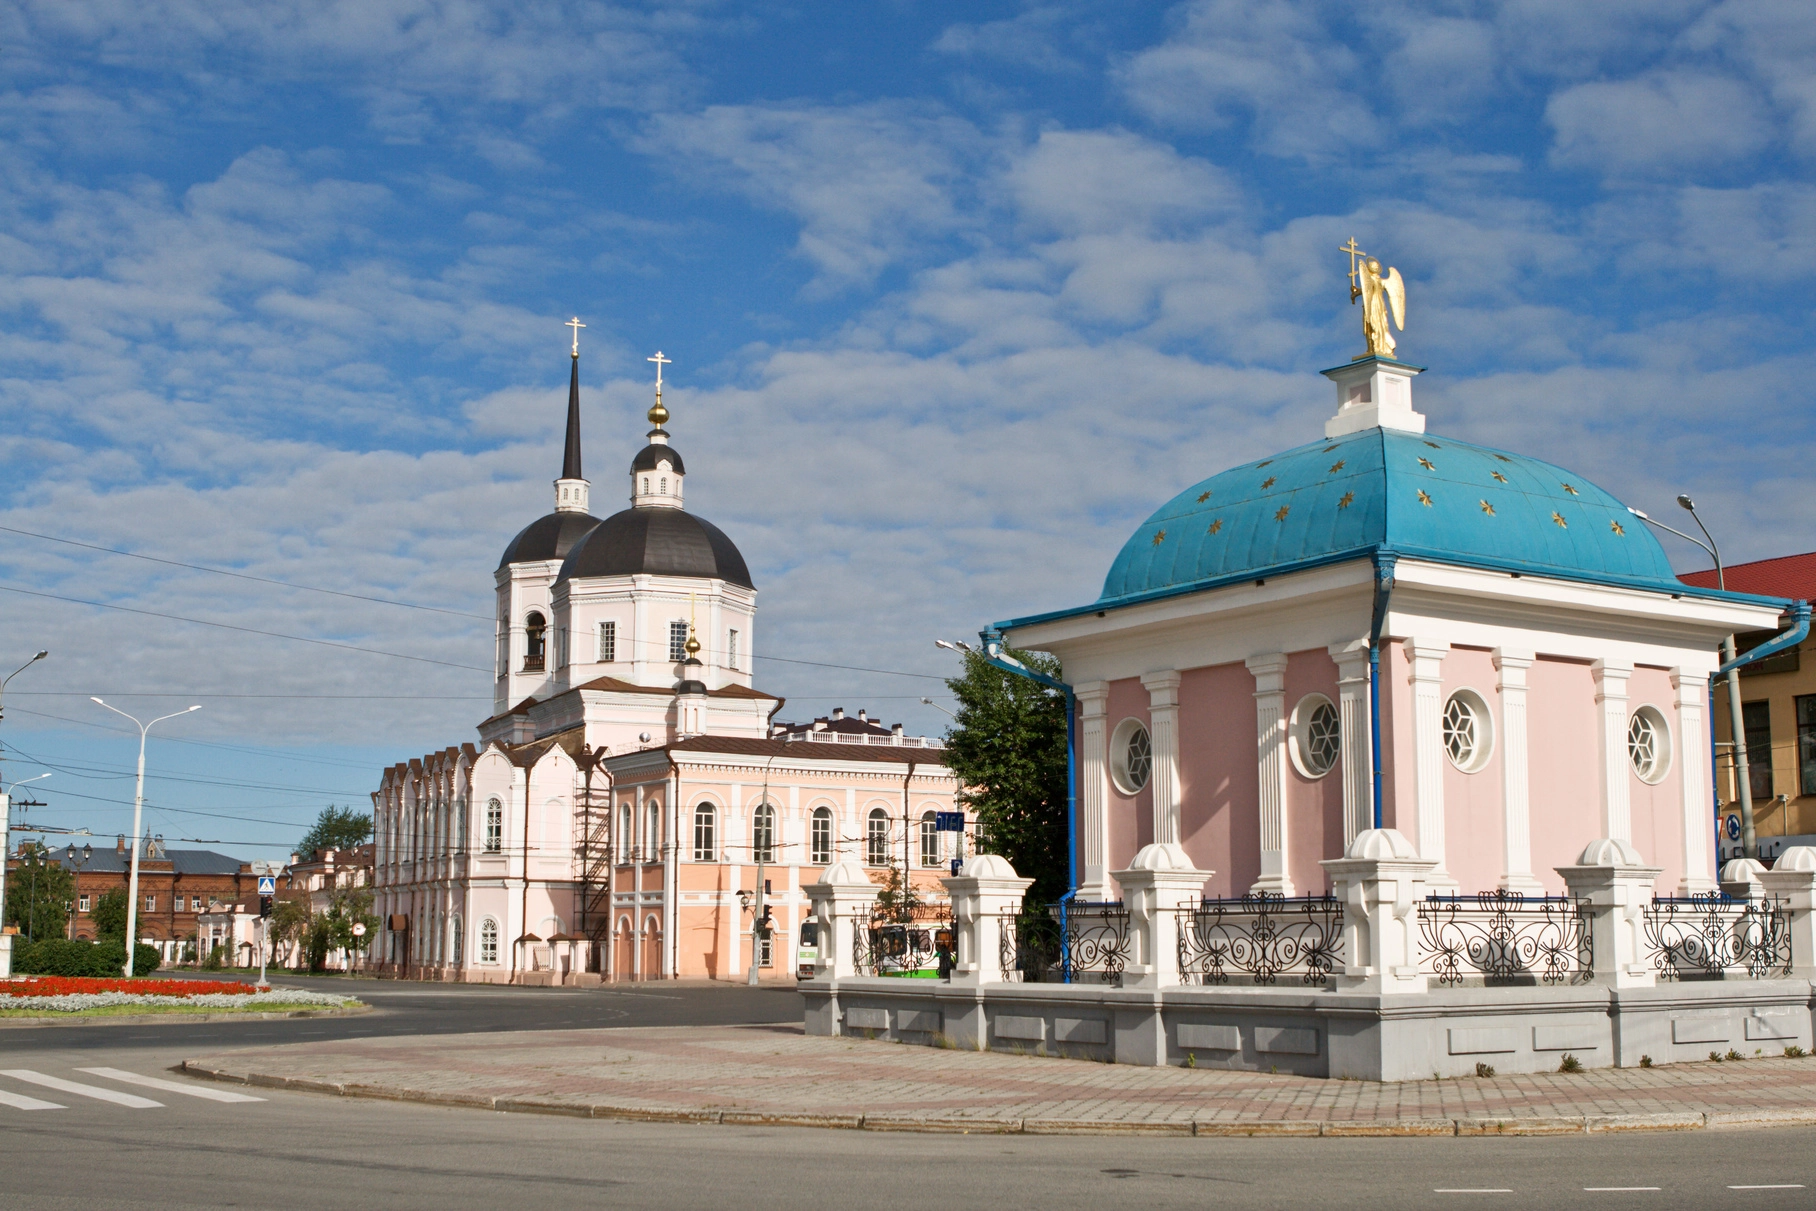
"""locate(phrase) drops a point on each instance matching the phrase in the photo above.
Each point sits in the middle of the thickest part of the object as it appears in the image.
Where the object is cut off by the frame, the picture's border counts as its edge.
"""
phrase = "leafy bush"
(216, 957)
(1794, 1052)
(57, 957)
(1570, 1064)
(1645, 1061)
(1484, 1070)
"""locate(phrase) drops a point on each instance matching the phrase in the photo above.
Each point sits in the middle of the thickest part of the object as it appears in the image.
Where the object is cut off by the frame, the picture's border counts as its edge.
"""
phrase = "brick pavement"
(778, 1075)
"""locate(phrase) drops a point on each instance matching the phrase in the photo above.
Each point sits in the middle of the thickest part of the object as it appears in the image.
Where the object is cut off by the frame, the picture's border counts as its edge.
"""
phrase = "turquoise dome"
(1411, 494)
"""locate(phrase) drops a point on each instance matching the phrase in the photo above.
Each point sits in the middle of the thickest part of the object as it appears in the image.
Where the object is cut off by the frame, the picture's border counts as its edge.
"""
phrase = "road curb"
(178, 1019)
(1512, 1125)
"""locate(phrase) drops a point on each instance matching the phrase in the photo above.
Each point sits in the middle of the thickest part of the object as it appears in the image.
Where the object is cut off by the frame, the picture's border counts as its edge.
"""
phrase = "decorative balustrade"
(1095, 940)
(1505, 937)
(1712, 936)
(893, 943)
(1261, 936)
(1030, 949)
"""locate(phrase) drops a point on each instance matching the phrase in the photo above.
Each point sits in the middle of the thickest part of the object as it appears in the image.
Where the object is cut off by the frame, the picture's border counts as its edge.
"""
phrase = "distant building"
(175, 887)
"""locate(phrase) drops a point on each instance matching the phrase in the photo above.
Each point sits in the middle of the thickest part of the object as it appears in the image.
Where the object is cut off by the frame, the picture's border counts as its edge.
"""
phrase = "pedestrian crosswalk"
(108, 1093)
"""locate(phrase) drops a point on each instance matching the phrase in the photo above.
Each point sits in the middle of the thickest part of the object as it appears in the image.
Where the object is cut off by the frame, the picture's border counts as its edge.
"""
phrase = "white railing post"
(1793, 880)
(1379, 882)
(842, 901)
(1160, 881)
(1616, 885)
(986, 899)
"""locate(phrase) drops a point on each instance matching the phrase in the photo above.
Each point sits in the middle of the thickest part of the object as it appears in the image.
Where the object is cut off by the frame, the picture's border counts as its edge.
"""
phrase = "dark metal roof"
(550, 537)
(650, 455)
(182, 861)
(659, 542)
(798, 750)
(570, 458)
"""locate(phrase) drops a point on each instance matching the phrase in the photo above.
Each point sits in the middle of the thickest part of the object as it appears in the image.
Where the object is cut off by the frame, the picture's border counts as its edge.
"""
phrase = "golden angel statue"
(1379, 294)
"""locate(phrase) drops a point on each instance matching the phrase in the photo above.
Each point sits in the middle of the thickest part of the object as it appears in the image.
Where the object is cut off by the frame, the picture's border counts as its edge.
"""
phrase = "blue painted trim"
(1384, 585)
(1790, 638)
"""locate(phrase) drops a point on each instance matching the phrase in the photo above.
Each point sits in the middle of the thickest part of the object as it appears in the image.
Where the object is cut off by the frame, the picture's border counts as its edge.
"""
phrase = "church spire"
(571, 490)
(657, 472)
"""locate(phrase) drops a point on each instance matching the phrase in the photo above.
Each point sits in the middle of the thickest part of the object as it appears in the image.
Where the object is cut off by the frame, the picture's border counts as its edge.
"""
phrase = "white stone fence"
(1381, 930)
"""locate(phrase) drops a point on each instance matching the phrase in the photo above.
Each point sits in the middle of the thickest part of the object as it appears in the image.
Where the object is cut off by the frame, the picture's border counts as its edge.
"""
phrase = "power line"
(192, 694)
(275, 754)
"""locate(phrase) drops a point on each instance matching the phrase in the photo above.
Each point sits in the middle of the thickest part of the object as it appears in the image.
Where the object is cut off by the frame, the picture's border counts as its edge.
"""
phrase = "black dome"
(660, 542)
(550, 537)
(650, 455)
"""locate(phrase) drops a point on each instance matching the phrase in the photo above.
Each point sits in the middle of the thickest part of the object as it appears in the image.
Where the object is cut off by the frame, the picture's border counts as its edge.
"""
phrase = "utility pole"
(6, 836)
(138, 807)
(756, 919)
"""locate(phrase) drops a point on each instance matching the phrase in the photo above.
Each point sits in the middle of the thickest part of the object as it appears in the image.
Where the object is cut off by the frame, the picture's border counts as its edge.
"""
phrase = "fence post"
(986, 899)
(1159, 882)
(1380, 881)
(1740, 879)
(1613, 880)
(842, 901)
(1793, 880)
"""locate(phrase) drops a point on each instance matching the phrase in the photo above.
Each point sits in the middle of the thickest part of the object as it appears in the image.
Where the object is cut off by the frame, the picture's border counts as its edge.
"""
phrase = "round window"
(1649, 744)
(1131, 756)
(1316, 736)
(1468, 731)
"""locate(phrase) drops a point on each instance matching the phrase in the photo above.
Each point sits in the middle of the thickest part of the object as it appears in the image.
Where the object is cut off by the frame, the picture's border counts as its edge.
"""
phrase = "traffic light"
(265, 906)
(765, 925)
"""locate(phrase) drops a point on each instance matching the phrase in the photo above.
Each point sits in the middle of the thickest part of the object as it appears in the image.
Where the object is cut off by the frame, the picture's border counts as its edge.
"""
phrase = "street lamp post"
(6, 837)
(77, 863)
(138, 807)
(1737, 729)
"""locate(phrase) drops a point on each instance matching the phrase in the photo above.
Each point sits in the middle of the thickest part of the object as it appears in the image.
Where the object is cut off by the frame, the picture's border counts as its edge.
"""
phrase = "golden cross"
(576, 325)
(660, 362)
(1355, 291)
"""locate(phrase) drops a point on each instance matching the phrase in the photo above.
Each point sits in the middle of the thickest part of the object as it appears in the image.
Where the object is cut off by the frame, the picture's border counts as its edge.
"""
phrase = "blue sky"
(956, 295)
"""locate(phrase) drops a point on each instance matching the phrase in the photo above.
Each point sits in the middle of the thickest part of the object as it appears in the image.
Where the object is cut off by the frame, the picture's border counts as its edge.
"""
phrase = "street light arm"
(28, 664)
(1653, 521)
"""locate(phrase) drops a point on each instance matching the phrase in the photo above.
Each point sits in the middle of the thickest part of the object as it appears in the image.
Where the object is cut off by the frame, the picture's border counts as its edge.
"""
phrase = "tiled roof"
(1785, 576)
(803, 751)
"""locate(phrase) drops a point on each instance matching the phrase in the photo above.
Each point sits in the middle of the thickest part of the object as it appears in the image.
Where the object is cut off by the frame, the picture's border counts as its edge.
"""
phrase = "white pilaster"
(1611, 711)
(1093, 788)
(1163, 732)
(1516, 785)
(1427, 676)
(1352, 718)
(1688, 749)
(1270, 757)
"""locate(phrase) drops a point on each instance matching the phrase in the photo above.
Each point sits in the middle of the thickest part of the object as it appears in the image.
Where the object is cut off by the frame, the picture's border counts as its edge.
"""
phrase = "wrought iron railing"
(1505, 937)
(1260, 936)
(1030, 949)
(1094, 936)
(1712, 935)
(898, 944)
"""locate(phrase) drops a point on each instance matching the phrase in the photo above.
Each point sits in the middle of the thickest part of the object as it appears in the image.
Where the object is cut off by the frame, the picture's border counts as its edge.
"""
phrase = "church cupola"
(571, 489)
(657, 471)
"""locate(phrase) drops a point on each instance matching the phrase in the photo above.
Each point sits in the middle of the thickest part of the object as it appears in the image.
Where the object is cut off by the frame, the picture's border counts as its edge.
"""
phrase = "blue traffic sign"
(1733, 828)
(267, 885)
(949, 822)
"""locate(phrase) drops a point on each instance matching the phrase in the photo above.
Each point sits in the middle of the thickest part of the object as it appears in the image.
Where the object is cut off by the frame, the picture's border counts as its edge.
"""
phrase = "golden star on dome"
(1262, 464)
(1203, 496)
(1559, 519)
(1160, 537)
(1268, 482)
(1283, 511)
(1215, 526)
(1424, 498)
(1497, 475)
(1571, 490)
(1337, 466)
(1616, 526)
(1488, 508)
(1349, 498)
(1426, 463)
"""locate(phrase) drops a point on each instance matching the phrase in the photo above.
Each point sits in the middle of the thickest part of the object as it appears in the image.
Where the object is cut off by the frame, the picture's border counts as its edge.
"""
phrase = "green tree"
(109, 914)
(1008, 748)
(39, 894)
(289, 923)
(349, 907)
(336, 828)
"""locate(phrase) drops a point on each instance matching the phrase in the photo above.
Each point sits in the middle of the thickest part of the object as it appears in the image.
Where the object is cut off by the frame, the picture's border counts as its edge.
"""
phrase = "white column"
(1427, 661)
(1611, 710)
(1689, 747)
(1163, 731)
(1270, 757)
(1516, 787)
(1353, 720)
(1093, 788)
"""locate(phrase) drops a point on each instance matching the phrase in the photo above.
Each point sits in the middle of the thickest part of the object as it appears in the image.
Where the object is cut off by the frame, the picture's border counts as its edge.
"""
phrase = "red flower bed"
(56, 986)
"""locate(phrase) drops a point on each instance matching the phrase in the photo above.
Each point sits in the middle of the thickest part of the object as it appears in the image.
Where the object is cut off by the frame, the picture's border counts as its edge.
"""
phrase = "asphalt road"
(84, 1129)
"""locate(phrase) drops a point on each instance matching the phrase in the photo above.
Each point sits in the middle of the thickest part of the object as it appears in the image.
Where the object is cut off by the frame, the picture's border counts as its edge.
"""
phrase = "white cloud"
(1665, 124)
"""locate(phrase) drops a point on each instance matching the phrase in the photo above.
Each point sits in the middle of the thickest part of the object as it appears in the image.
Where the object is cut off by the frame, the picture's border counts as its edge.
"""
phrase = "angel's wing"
(1395, 286)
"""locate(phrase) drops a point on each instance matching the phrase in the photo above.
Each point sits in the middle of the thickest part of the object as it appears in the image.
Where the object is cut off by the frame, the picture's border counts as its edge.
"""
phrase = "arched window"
(664, 492)
(706, 833)
(652, 832)
(876, 837)
(488, 941)
(494, 825)
(930, 841)
(535, 630)
(645, 492)
(624, 835)
(459, 954)
(819, 840)
(763, 834)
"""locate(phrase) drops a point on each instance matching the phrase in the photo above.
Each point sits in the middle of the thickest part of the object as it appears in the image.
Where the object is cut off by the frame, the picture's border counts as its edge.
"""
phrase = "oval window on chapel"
(1649, 744)
(1468, 731)
(1131, 756)
(1316, 736)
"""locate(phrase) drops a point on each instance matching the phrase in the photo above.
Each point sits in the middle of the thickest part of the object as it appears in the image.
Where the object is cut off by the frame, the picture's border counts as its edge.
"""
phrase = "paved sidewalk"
(776, 1075)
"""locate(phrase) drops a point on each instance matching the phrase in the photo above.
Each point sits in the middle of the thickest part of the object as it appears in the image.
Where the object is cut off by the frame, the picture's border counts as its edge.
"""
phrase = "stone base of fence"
(1323, 1033)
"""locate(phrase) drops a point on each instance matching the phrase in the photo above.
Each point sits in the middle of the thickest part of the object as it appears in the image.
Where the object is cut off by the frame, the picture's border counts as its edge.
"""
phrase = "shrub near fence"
(57, 957)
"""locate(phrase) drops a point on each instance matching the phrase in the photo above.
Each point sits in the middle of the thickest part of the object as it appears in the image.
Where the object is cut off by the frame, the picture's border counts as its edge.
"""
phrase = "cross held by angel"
(1379, 293)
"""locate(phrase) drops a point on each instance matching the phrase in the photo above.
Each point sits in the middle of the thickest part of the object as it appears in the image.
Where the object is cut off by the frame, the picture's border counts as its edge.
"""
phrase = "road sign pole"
(264, 949)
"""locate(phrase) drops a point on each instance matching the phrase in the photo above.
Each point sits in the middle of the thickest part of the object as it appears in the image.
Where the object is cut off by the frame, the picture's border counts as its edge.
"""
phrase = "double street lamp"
(138, 807)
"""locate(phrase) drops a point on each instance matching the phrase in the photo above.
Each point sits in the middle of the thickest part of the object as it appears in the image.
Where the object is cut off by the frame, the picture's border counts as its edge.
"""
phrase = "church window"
(488, 941)
(1131, 756)
(624, 831)
(876, 837)
(665, 485)
(706, 833)
(677, 641)
(1649, 744)
(930, 840)
(494, 826)
(763, 834)
(608, 642)
(1468, 731)
(1314, 739)
(535, 631)
(646, 485)
(731, 651)
(819, 840)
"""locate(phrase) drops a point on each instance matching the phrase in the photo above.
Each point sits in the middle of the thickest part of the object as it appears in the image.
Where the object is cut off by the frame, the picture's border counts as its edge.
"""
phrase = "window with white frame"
(625, 840)
(819, 839)
(81, 903)
(763, 834)
(1131, 756)
(930, 840)
(876, 838)
(195, 904)
(677, 641)
(646, 485)
(151, 904)
(731, 651)
(652, 832)
(608, 642)
(1314, 736)
(1649, 744)
(494, 840)
(488, 941)
(1468, 731)
(706, 833)
(457, 950)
